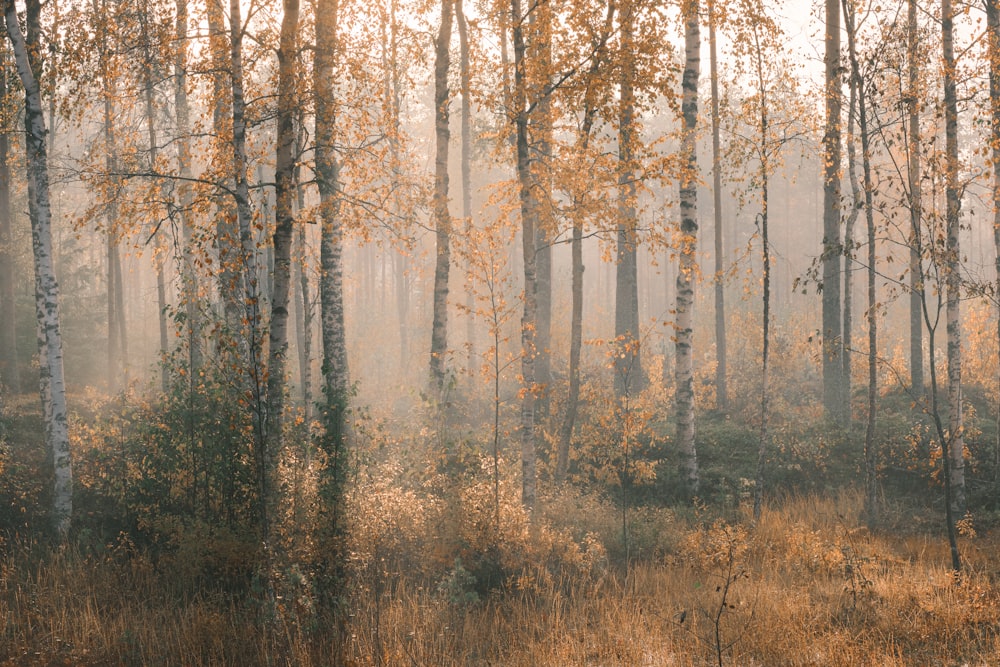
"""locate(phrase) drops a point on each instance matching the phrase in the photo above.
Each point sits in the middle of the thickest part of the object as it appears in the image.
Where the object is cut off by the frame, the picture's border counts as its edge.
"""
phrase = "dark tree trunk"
(628, 362)
(529, 214)
(9, 373)
(721, 391)
(913, 179)
(834, 397)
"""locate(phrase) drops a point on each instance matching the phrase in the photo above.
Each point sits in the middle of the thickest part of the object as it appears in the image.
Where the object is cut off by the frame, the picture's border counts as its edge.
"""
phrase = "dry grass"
(807, 587)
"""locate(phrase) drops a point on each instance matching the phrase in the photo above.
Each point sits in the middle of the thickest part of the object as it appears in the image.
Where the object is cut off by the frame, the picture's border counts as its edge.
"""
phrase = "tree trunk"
(116, 357)
(185, 195)
(628, 365)
(442, 216)
(993, 41)
(953, 259)
(50, 352)
(250, 339)
(765, 172)
(913, 178)
(9, 373)
(331, 292)
(834, 398)
(529, 215)
(687, 270)
(721, 392)
(858, 89)
(540, 131)
(284, 216)
(857, 202)
(226, 231)
(180, 73)
(576, 251)
(466, 87)
(303, 295)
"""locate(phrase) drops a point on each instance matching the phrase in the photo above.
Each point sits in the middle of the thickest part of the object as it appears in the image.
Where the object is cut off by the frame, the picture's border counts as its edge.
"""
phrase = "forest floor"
(805, 586)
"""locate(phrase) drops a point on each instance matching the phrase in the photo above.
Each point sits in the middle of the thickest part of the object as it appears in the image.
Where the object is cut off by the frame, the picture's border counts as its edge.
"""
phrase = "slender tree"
(442, 216)
(993, 54)
(857, 203)
(859, 90)
(529, 212)
(952, 260)
(540, 133)
(592, 90)
(9, 373)
(53, 385)
(686, 274)
(628, 367)
(913, 181)
(465, 78)
(185, 194)
(721, 391)
(336, 385)
(284, 211)
(834, 397)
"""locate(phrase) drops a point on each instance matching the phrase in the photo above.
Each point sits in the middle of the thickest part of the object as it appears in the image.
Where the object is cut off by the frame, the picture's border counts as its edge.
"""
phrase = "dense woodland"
(521, 332)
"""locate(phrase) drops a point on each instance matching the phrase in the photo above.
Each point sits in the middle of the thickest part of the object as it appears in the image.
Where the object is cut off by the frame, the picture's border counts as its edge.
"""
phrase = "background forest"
(499, 332)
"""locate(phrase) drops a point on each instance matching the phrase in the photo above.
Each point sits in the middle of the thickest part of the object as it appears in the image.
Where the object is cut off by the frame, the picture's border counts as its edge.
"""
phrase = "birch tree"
(529, 212)
(952, 261)
(688, 269)
(331, 288)
(53, 385)
(442, 215)
(284, 202)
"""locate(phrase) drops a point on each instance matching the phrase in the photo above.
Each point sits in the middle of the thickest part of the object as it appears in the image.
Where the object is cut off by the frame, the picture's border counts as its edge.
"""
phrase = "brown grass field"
(804, 587)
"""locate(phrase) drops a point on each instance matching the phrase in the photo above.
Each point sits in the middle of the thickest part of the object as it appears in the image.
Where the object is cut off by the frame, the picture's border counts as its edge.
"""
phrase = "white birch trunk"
(686, 274)
(953, 278)
(46, 288)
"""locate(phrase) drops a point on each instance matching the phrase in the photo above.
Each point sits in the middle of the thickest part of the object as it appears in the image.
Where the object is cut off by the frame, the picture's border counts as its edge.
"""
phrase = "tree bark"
(913, 178)
(953, 278)
(834, 398)
(331, 291)
(116, 351)
(284, 216)
(721, 391)
(226, 229)
(465, 76)
(576, 251)
(688, 262)
(857, 202)
(52, 380)
(250, 338)
(529, 215)
(442, 216)
(765, 367)
(185, 195)
(993, 42)
(540, 135)
(628, 362)
(303, 295)
(858, 89)
(9, 373)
